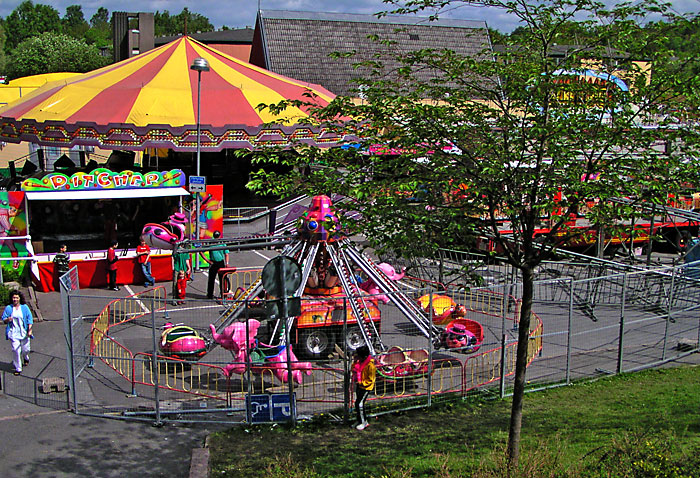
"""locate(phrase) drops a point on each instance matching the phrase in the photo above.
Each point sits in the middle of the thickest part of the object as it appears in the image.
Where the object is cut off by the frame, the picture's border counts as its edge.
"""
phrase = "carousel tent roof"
(150, 100)
(19, 87)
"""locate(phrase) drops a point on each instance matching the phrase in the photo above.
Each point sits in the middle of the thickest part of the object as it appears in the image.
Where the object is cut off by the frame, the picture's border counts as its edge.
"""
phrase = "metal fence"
(585, 324)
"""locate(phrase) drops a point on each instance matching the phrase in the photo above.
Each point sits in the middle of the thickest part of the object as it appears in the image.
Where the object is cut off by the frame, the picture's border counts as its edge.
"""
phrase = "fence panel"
(586, 321)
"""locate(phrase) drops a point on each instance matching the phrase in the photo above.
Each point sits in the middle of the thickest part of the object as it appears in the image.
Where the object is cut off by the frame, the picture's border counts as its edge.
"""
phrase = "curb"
(199, 464)
(33, 299)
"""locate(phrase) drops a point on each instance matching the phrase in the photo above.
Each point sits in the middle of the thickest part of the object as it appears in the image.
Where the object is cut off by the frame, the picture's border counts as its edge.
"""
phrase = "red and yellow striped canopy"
(150, 100)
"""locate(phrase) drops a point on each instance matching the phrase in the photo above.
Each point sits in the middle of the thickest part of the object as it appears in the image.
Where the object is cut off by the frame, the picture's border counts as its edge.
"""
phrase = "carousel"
(183, 97)
(337, 310)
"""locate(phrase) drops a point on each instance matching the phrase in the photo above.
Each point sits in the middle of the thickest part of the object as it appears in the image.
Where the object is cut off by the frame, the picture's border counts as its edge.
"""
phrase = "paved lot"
(42, 439)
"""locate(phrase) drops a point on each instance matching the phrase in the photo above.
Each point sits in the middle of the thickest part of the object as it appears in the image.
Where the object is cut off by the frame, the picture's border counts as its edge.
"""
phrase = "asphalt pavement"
(43, 439)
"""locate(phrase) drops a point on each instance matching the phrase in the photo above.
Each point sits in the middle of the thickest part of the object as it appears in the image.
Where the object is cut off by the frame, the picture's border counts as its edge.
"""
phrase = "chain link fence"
(586, 322)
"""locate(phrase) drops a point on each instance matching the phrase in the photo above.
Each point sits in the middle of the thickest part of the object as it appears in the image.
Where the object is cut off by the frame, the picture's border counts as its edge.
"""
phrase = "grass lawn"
(567, 431)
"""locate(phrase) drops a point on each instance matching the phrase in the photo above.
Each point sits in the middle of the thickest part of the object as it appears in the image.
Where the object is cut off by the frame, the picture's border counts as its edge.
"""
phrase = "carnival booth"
(87, 211)
(184, 97)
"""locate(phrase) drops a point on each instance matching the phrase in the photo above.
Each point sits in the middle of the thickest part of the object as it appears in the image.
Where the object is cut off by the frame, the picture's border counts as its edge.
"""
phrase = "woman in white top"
(18, 319)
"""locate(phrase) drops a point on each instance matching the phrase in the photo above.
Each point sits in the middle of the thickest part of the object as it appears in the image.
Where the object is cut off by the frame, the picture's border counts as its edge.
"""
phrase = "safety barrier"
(106, 348)
(125, 309)
(240, 280)
(487, 302)
(326, 385)
(193, 378)
(243, 214)
(116, 356)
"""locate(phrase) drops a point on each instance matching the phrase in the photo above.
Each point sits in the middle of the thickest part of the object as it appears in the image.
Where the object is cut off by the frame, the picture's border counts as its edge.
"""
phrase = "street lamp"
(199, 65)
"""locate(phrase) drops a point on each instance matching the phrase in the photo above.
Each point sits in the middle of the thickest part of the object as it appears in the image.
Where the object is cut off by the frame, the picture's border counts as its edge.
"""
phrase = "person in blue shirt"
(18, 322)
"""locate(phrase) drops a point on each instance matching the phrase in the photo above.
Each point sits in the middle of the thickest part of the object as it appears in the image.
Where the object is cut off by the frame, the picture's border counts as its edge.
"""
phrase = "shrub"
(5, 294)
(641, 456)
(10, 274)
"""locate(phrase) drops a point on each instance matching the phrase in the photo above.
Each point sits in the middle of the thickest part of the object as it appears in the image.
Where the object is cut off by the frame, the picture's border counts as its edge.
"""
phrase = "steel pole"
(199, 140)
(569, 337)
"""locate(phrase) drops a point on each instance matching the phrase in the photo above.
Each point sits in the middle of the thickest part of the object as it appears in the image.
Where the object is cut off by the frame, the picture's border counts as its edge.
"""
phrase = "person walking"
(364, 373)
(217, 260)
(181, 263)
(61, 261)
(143, 255)
(18, 329)
(112, 266)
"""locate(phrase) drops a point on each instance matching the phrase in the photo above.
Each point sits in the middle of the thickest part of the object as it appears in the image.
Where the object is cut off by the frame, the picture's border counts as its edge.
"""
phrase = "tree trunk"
(516, 413)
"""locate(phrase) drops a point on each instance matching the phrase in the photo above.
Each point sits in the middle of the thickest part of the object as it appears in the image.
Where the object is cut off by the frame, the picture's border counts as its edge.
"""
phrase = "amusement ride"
(341, 288)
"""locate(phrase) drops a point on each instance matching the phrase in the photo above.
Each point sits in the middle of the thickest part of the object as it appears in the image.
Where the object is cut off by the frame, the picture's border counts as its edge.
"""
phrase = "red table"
(92, 272)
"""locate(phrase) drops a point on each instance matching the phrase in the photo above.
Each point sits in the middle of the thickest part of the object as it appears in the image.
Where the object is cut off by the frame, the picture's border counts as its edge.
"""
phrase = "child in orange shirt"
(181, 287)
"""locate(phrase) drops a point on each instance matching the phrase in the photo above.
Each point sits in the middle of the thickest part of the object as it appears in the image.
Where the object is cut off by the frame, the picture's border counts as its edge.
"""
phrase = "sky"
(241, 13)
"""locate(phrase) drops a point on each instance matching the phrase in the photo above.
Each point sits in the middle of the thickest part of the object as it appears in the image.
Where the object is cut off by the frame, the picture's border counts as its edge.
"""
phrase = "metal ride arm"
(359, 308)
(408, 307)
(308, 260)
(238, 307)
(309, 256)
(659, 208)
(239, 244)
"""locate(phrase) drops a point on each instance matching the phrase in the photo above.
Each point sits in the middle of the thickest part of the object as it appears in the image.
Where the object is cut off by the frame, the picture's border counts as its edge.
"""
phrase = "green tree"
(2, 49)
(100, 19)
(51, 53)
(505, 144)
(195, 22)
(166, 24)
(28, 20)
(74, 23)
(100, 31)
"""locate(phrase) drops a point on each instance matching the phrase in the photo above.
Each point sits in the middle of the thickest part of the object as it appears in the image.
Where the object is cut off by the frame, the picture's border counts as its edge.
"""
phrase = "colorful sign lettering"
(13, 222)
(102, 178)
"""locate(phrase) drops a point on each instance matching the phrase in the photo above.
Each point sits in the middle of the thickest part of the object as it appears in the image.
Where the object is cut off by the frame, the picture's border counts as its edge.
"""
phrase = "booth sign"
(102, 178)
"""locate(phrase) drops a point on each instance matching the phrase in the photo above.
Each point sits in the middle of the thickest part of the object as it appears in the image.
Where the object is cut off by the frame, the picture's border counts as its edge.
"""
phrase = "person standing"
(143, 255)
(181, 263)
(62, 261)
(217, 260)
(364, 373)
(181, 287)
(112, 266)
(18, 330)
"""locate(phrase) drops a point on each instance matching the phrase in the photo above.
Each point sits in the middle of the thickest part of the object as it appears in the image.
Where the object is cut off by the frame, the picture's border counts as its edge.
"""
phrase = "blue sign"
(198, 184)
(269, 407)
(281, 408)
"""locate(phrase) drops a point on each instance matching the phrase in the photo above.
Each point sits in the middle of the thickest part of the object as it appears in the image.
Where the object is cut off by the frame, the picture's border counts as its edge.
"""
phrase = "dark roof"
(563, 51)
(299, 44)
(240, 36)
(566, 50)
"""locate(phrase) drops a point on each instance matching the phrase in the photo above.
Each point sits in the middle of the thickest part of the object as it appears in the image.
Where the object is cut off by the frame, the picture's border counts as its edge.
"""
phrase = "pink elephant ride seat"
(399, 364)
(245, 347)
(373, 289)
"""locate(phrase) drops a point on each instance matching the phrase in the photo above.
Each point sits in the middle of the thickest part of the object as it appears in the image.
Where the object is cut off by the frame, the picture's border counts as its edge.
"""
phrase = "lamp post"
(199, 65)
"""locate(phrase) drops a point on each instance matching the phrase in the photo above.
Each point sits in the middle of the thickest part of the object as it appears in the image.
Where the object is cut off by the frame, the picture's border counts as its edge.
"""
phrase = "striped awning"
(150, 101)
